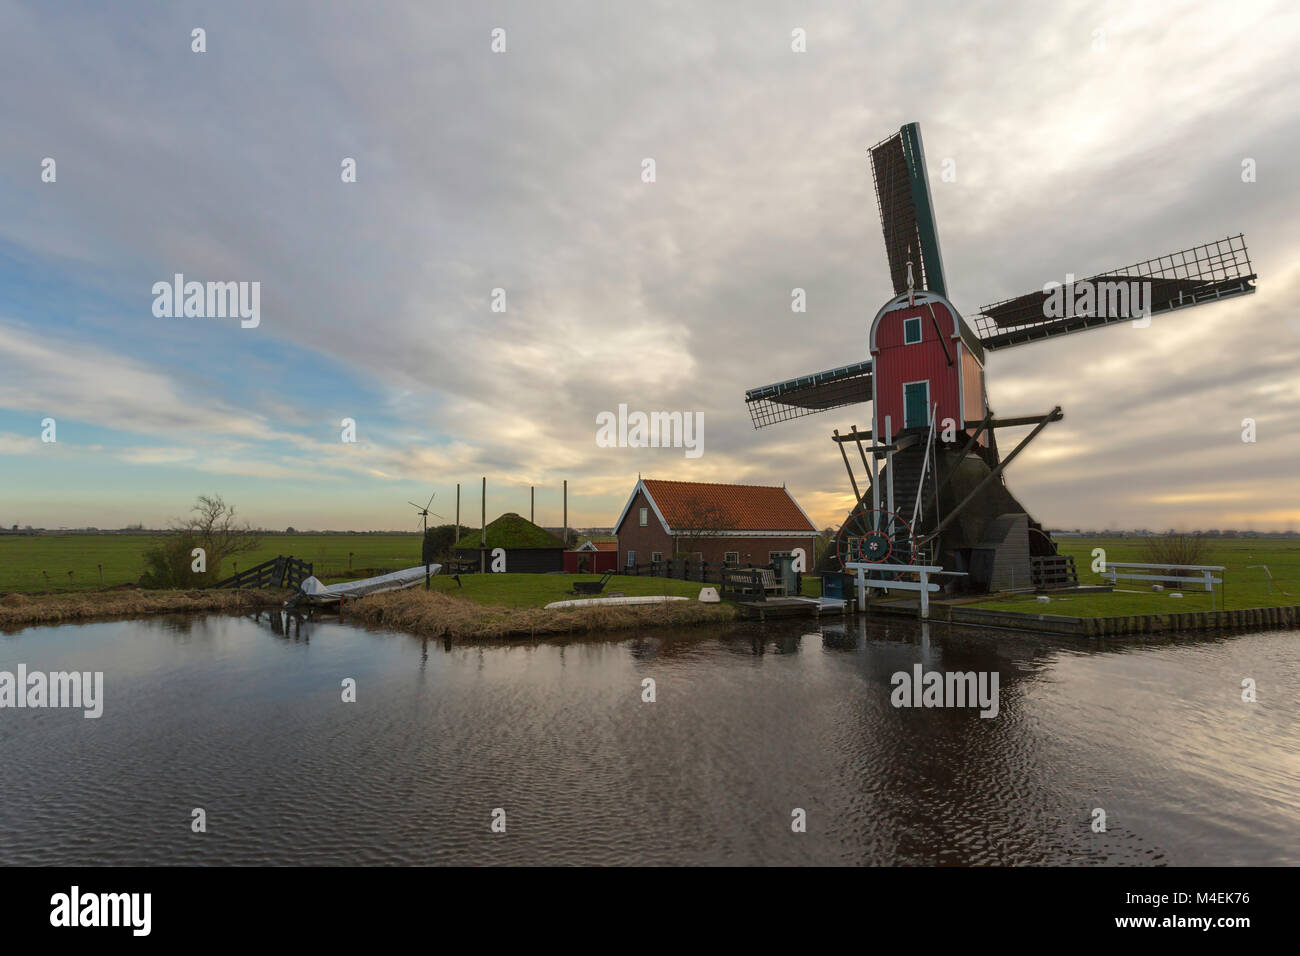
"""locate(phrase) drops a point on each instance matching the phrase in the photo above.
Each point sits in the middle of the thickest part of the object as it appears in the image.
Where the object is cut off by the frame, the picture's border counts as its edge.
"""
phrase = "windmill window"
(912, 330)
(645, 517)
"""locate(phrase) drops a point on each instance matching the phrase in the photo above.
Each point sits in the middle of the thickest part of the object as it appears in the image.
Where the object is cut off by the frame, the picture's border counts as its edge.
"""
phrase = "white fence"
(925, 586)
(1201, 574)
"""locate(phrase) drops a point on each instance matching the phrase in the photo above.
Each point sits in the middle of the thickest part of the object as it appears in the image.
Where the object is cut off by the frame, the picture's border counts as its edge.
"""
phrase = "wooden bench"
(752, 582)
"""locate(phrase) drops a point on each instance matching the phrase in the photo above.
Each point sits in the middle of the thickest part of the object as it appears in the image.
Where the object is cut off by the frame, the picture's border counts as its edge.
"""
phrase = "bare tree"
(214, 527)
(697, 520)
(1174, 549)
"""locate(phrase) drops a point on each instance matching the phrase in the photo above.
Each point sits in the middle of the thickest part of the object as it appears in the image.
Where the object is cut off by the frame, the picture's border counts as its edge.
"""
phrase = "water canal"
(244, 718)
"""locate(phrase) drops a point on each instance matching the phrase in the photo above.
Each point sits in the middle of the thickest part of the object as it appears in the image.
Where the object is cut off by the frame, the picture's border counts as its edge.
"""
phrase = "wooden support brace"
(1053, 416)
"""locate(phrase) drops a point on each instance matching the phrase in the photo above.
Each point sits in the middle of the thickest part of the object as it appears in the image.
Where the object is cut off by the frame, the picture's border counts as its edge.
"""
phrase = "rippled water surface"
(244, 718)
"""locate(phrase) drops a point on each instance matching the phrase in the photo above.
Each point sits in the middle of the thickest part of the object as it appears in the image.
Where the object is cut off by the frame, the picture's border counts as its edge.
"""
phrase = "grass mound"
(512, 532)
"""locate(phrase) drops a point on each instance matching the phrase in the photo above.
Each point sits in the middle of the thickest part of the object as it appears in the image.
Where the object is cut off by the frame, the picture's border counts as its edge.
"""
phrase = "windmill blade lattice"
(1206, 273)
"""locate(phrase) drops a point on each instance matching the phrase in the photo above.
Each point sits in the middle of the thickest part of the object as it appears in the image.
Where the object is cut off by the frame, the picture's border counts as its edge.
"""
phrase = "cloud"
(521, 171)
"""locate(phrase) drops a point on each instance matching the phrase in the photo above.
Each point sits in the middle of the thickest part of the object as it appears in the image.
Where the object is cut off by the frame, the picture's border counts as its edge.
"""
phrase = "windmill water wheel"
(876, 536)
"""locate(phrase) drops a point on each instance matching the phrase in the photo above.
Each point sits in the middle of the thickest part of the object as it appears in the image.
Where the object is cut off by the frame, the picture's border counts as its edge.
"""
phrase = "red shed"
(923, 355)
(594, 557)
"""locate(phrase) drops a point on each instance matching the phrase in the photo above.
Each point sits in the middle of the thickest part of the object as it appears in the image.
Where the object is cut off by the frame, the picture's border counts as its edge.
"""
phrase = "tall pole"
(875, 474)
(482, 544)
(456, 536)
(566, 512)
(889, 470)
(532, 504)
(424, 547)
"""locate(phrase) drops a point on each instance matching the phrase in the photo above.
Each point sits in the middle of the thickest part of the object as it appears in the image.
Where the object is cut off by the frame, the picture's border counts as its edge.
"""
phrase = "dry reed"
(19, 610)
(433, 614)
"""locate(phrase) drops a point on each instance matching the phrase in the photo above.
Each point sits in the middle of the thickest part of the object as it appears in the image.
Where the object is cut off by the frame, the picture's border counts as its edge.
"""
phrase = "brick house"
(732, 524)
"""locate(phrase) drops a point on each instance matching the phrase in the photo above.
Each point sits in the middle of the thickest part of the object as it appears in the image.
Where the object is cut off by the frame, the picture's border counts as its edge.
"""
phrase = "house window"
(656, 556)
(773, 555)
(645, 517)
(631, 559)
(912, 330)
(731, 557)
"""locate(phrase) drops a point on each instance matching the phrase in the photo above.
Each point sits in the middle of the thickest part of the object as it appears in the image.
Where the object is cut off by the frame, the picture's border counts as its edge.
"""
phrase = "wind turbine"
(424, 532)
(425, 512)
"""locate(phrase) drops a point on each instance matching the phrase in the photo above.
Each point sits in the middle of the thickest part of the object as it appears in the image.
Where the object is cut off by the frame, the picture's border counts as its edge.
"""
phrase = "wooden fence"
(724, 576)
(1053, 571)
(279, 572)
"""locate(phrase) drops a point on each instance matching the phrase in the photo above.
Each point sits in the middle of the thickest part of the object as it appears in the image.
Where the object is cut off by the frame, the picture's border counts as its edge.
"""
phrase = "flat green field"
(1246, 586)
(23, 558)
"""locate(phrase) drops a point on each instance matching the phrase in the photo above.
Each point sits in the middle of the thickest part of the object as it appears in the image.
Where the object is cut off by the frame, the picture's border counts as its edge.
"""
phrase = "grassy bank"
(1247, 586)
(538, 590)
(18, 610)
(489, 605)
(439, 614)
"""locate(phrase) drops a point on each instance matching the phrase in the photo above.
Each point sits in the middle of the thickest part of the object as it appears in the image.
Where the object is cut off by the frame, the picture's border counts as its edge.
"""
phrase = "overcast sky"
(1084, 136)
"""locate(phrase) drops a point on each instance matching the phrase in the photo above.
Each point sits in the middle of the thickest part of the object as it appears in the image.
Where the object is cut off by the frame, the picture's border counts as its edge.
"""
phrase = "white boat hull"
(604, 601)
(312, 591)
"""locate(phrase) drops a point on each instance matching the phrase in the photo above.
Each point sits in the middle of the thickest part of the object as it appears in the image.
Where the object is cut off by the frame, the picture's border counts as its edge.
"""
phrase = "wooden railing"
(703, 571)
(1053, 571)
(279, 572)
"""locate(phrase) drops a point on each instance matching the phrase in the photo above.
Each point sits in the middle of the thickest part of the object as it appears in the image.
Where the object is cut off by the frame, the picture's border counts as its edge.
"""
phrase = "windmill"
(427, 559)
(935, 477)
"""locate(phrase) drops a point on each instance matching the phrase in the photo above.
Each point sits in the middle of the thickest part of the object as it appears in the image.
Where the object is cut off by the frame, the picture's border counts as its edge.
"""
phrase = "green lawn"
(537, 590)
(1246, 586)
(22, 559)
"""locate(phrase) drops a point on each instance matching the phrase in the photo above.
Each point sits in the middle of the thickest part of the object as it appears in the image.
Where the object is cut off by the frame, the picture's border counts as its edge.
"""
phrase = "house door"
(916, 404)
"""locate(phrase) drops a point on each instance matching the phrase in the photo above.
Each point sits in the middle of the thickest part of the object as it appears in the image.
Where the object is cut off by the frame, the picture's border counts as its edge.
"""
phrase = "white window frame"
(643, 516)
(731, 557)
(920, 331)
(631, 559)
(773, 555)
(926, 383)
(656, 557)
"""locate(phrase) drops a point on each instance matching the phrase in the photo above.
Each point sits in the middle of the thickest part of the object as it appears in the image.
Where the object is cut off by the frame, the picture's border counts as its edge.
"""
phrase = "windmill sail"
(1207, 273)
(907, 211)
(809, 394)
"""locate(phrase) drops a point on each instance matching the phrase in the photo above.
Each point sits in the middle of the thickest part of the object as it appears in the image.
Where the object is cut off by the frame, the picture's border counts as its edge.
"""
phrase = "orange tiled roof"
(751, 507)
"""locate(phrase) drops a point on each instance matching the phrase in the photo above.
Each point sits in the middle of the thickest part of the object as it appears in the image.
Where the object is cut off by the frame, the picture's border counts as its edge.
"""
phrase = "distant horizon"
(598, 529)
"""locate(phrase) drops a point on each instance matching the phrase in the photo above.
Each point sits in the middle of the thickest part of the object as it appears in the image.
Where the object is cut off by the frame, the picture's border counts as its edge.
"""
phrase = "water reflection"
(243, 715)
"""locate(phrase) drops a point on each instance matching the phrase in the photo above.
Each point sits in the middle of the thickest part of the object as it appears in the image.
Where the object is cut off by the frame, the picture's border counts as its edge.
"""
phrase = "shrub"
(1174, 549)
(169, 565)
